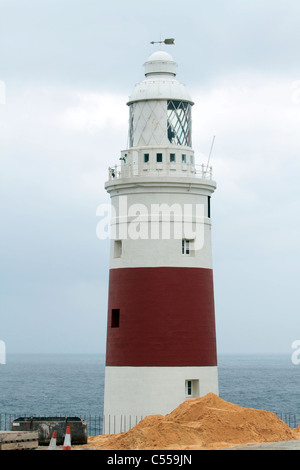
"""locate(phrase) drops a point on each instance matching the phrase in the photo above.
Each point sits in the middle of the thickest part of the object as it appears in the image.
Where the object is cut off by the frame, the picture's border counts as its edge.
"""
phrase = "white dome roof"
(160, 55)
(160, 62)
(160, 82)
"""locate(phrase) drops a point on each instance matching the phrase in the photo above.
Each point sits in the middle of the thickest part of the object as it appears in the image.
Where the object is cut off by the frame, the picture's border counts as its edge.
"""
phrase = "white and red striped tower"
(161, 340)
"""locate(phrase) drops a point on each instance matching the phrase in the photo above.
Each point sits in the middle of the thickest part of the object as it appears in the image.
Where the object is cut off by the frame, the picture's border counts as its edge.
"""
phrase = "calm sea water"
(74, 384)
(54, 385)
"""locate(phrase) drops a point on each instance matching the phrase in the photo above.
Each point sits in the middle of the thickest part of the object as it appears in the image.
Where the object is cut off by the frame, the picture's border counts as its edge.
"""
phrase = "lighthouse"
(161, 335)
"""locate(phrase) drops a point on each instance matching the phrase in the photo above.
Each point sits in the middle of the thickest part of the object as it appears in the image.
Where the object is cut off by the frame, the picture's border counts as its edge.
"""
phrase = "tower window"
(159, 157)
(208, 206)
(192, 388)
(185, 249)
(115, 318)
(191, 159)
(118, 249)
(172, 157)
(183, 158)
(146, 157)
(188, 247)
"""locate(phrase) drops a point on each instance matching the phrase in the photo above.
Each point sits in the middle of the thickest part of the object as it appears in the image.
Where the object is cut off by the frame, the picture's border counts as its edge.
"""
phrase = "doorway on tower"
(192, 388)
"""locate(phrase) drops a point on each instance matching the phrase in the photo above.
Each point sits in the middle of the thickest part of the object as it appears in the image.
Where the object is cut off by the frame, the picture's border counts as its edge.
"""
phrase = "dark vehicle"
(46, 425)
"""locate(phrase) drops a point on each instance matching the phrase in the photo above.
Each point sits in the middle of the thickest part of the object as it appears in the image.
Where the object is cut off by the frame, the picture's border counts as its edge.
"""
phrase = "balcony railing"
(129, 170)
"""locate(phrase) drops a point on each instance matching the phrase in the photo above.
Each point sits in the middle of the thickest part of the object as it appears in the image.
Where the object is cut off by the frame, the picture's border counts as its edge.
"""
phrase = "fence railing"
(97, 425)
(130, 170)
(94, 424)
(291, 419)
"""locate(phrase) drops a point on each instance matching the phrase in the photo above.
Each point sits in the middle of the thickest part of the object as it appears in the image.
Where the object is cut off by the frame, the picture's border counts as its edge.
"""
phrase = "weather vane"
(165, 41)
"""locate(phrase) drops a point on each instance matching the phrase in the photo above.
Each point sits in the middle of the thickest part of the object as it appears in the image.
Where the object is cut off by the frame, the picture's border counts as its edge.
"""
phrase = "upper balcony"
(155, 162)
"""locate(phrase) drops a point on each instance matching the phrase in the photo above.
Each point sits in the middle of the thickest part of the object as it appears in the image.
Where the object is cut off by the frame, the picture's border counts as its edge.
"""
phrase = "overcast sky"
(66, 70)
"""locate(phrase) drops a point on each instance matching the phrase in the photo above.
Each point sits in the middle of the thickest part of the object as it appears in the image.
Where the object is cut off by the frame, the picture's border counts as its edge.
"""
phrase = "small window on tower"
(172, 157)
(115, 318)
(208, 206)
(183, 158)
(192, 388)
(118, 249)
(159, 157)
(146, 157)
(191, 159)
(186, 249)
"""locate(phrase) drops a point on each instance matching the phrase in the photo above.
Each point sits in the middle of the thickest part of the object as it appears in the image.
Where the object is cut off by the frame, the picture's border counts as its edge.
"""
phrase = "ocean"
(73, 385)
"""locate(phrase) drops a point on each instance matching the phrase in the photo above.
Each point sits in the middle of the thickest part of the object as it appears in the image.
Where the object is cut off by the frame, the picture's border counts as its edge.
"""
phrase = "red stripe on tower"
(161, 317)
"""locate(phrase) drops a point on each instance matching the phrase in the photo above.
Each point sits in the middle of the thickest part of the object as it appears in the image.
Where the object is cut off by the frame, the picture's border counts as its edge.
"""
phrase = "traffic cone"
(67, 441)
(52, 445)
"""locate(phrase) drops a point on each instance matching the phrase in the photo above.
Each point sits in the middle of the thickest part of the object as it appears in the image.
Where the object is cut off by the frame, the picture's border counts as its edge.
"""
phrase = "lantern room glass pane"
(131, 126)
(179, 124)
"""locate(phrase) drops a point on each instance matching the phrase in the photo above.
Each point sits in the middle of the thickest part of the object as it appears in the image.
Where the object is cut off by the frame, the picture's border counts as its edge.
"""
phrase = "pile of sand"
(206, 422)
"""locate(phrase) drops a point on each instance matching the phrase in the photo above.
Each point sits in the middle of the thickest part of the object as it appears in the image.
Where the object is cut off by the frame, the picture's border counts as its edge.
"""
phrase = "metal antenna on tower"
(210, 152)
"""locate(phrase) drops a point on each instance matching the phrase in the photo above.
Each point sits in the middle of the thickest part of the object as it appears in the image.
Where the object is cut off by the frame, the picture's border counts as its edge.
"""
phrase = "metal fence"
(291, 419)
(94, 423)
(97, 425)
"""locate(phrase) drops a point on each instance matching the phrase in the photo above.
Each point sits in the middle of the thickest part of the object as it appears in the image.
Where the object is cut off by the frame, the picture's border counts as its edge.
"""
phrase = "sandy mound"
(206, 422)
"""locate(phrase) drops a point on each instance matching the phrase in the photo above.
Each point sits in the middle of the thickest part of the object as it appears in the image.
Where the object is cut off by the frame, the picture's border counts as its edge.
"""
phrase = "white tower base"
(143, 391)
